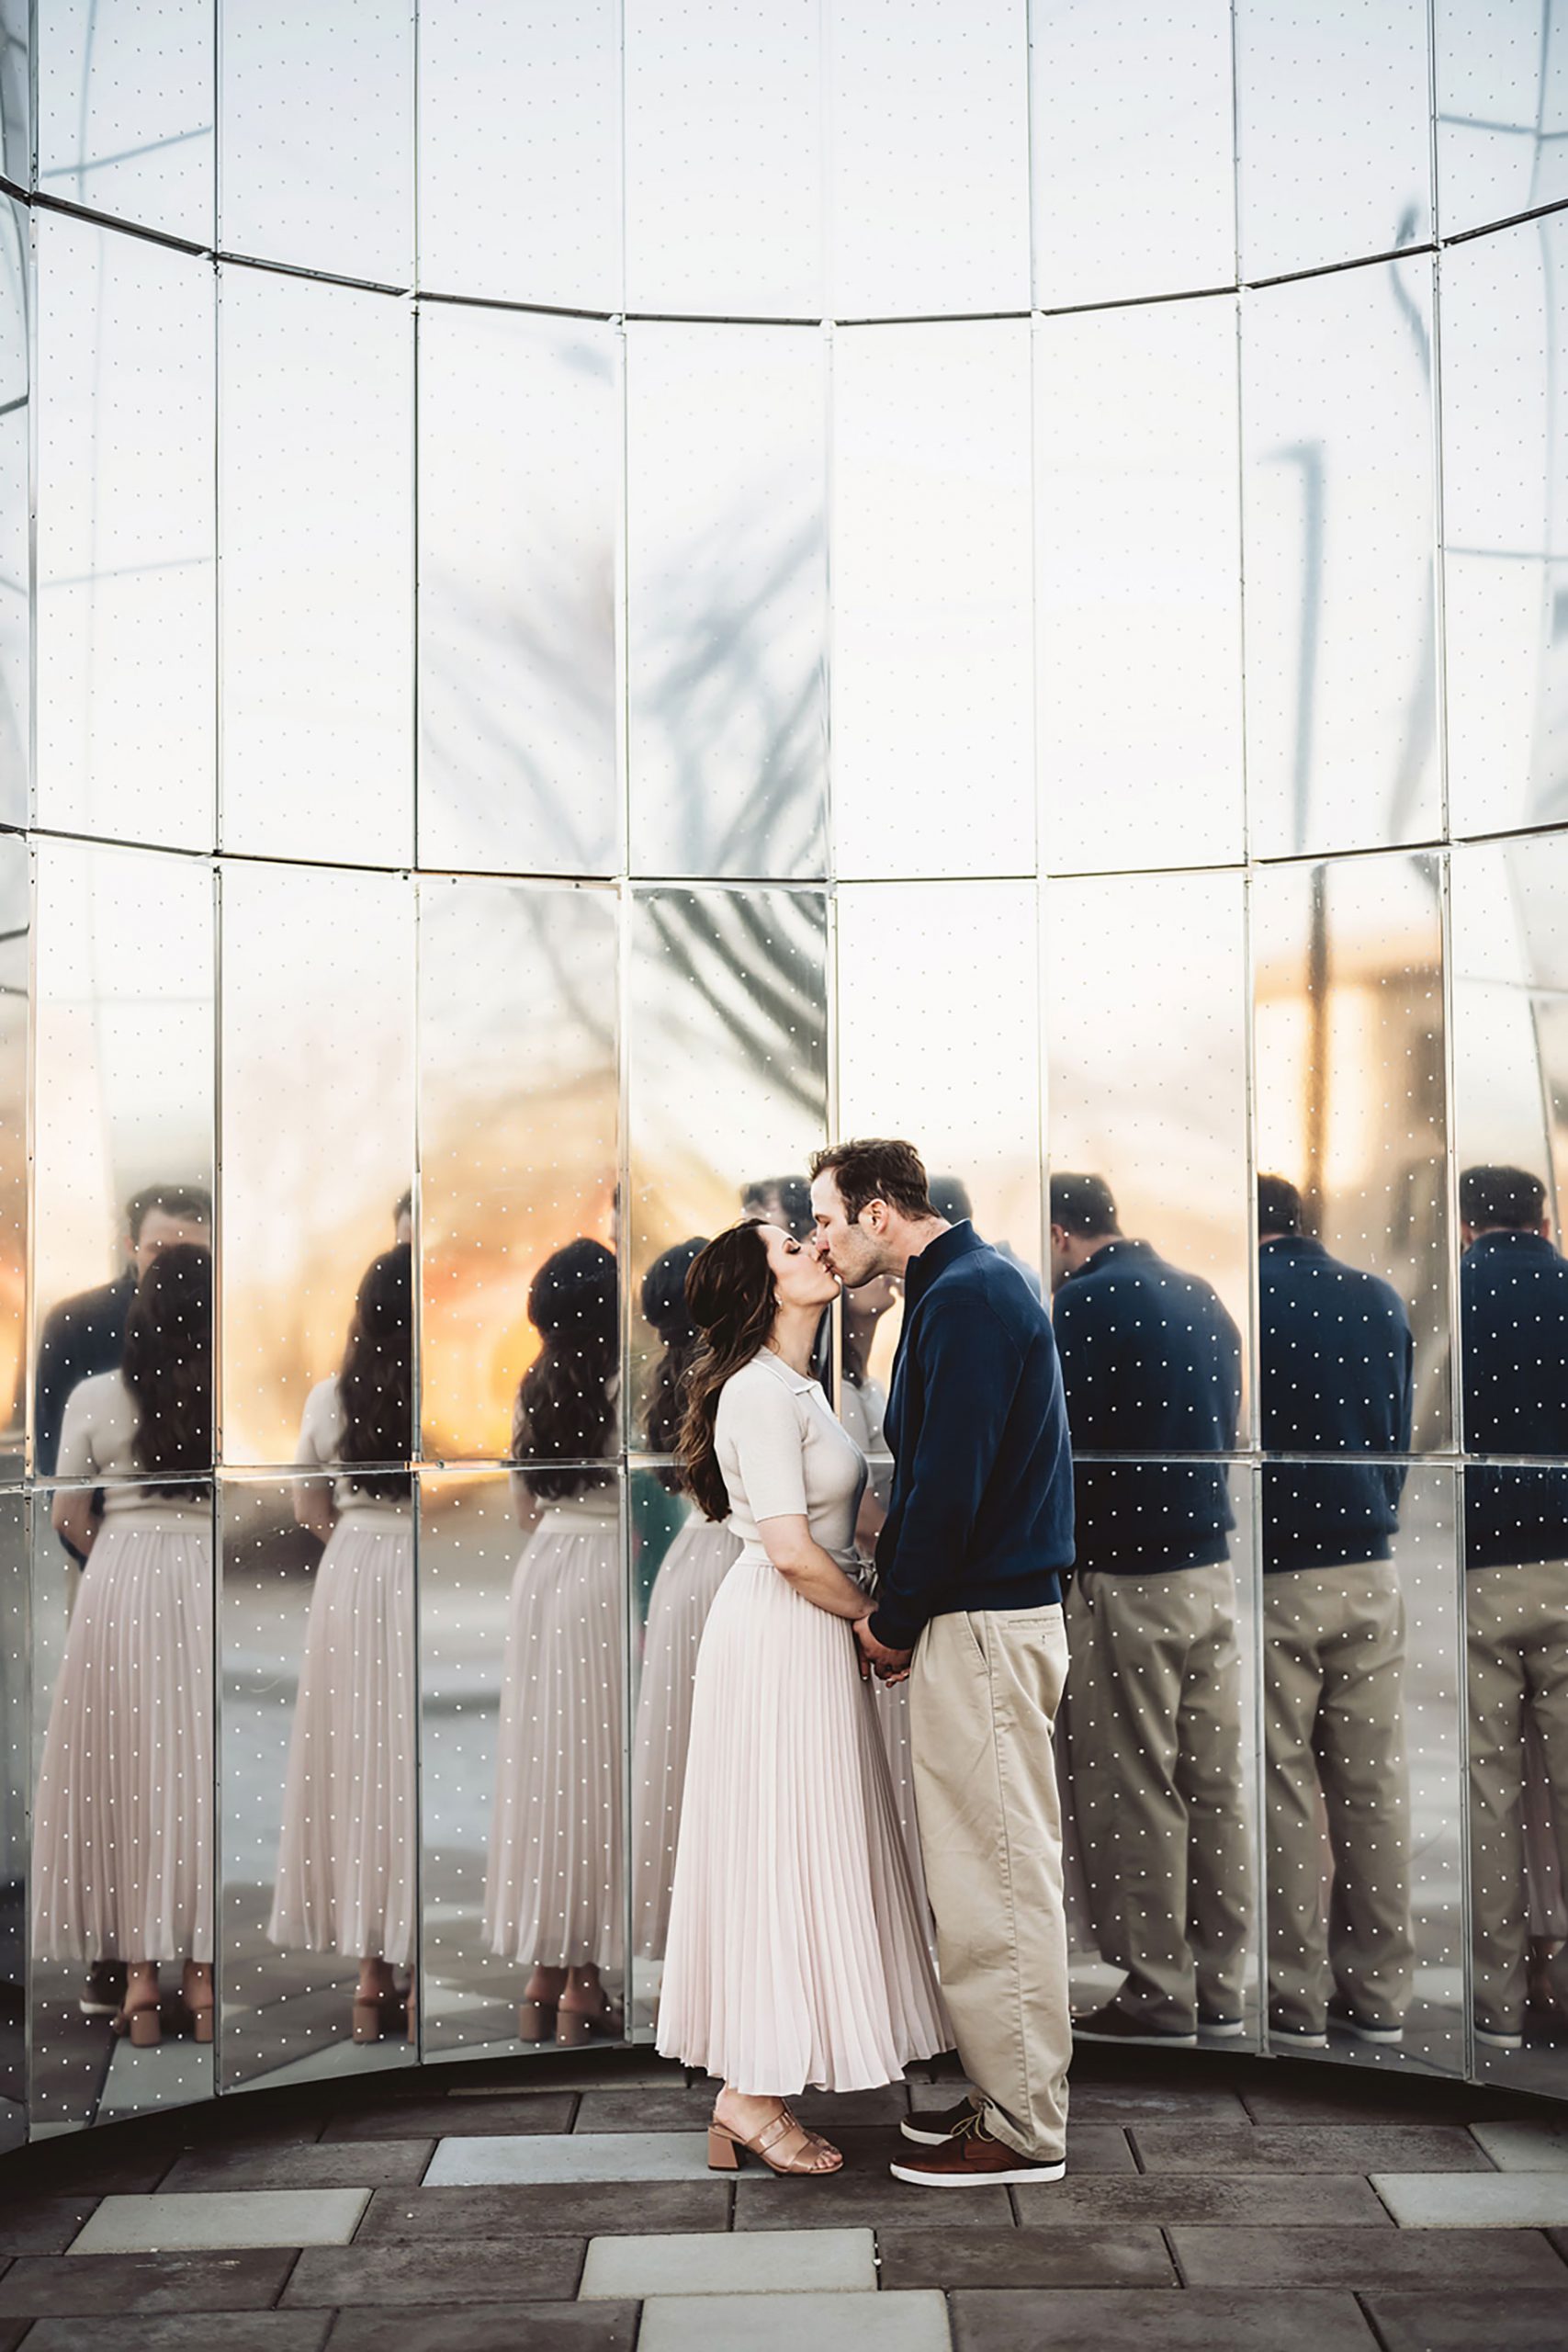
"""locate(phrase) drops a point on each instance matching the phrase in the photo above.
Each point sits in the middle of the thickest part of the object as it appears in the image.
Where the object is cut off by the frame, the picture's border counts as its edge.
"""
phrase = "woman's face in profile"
(800, 1276)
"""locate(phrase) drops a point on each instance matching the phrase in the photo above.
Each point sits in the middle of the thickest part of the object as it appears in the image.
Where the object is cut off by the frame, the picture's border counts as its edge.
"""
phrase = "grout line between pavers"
(1172, 2257)
(1360, 2295)
(277, 2303)
(1130, 2134)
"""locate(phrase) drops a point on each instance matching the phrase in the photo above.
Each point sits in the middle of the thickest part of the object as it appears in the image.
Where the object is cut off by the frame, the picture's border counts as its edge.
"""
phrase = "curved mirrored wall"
(665, 591)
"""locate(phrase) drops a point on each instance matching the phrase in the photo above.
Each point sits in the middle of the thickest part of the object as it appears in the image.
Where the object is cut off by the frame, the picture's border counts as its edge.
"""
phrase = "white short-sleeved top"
(321, 1431)
(98, 1440)
(784, 1454)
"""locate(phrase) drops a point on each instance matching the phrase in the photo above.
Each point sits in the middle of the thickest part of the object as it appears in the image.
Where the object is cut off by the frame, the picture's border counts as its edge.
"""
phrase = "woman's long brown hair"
(167, 1368)
(730, 1293)
(375, 1380)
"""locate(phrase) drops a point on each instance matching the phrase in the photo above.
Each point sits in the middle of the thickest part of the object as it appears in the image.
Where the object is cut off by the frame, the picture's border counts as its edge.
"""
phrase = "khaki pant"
(1334, 1753)
(1154, 1751)
(1517, 1641)
(984, 1691)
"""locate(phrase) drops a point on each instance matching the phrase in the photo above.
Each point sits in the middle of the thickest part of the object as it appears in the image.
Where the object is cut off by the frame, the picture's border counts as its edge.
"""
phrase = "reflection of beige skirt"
(347, 1859)
(555, 1888)
(122, 1835)
(691, 1574)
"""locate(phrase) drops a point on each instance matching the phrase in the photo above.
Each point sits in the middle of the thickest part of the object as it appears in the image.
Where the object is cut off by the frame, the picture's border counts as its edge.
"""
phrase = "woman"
(122, 1844)
(555, 1889)
(689, 1575)
(796, 1952)
(347, 1859)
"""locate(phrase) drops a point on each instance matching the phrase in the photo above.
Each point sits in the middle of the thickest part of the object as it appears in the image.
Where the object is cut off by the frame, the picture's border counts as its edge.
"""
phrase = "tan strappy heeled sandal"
(725, 2146)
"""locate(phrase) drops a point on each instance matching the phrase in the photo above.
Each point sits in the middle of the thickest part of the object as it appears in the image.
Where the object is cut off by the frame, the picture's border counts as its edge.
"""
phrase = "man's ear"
(873, 1216)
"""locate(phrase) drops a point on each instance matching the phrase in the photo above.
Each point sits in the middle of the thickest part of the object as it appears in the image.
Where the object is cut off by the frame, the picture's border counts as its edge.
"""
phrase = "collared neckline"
(960, 1240)
(1295, 1245)
(1534, 1245)
(799, 1384)
(1123, 1246)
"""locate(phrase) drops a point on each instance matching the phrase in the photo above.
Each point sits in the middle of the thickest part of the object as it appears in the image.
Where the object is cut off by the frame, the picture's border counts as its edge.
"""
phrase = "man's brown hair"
(876, 1167)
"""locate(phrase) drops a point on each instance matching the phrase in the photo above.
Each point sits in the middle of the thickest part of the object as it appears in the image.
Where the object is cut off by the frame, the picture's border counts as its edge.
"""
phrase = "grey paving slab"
(670, 2107)
(560, 2070)
(76, 2164)
(363, 2163)
(1307, 2147)
(1526, 2319)
(593, 2209)
(571, 2156)
(1364, 2257)
(1282, 2200)
(482, 2271)
(491, 2327)
(431, 2119)
(1112, 2320)
(788, 2262)
(1296, 2092)
(222, 2218)
(1460, 2200)
(1088, 2255)
(860, 2196)
(12, 2332)
(130, 2283)
(1524, 2147)
(186, 2331)
(884, 2322)
(40, 2224)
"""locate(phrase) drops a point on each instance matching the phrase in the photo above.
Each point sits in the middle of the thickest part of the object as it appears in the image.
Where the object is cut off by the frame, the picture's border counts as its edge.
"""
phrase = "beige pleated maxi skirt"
(555, 1888)
(122, 1823)
(683, 1592)
(347, 1860)
(796, 1953)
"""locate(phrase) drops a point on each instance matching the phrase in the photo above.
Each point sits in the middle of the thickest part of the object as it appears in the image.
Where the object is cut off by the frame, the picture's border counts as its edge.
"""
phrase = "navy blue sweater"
(981, 1513)
(1151, 1364)
(1513, 1292)
(1336, 1375)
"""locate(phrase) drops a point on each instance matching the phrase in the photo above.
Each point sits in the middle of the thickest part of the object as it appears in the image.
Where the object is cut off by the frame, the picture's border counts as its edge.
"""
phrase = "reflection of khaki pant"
(1154, 1756)
(983, 1693)
(1517, 1636)
(1334, 1735)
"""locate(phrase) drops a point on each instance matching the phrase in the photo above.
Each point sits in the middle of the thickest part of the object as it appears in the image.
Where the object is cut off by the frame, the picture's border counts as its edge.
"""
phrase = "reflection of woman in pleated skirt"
(689, 1579)
(347, 1859)
(555, 1888)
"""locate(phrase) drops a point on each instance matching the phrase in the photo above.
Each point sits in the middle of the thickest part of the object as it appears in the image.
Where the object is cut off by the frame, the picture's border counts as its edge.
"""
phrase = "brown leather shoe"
(971, 2158)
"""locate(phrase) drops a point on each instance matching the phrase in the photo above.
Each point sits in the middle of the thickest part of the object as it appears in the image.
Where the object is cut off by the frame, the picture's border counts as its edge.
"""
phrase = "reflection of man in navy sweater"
(1335, 1378)
(1151, 1363)
(1514, 1362)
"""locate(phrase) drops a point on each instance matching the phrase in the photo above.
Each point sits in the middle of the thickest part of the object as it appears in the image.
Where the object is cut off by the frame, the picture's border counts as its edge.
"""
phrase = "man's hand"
(892, 1666)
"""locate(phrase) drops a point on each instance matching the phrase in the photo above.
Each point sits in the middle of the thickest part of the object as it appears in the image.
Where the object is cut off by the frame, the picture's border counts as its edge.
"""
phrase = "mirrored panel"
(1502, 83)
(1133, 195)
(121, 1887)
(1510, 995)
(1146, 1011)
(1138, 587)
(123, 1106)
(957, 1075)
(16, 923)
(1506, 528)
(1335, 132)
(316, 512)
(318, 1154)
(126, 537)
(929, 174)
(320, 1906)
(523, 1621)
(1362, 1775)
(519, 490)
(723, 158)
(519, 151)
(15, 551)
(1351, 1102)
(15, 1799)
(732, 983)
(519, 1118)
(727, 595)
(1337, 506)
(125, 109)
(16, 93)
(932, 599)
(316, 110)
(1155, 1750)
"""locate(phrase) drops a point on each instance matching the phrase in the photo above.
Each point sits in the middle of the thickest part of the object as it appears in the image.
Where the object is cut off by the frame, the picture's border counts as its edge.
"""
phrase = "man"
(1514, 1365)
(1151, 1365)
(84, 1335)
(1335, 1376)
(978, 1530)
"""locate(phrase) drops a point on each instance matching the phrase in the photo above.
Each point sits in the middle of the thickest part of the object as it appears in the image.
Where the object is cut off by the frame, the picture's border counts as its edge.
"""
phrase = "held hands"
(891, 1666)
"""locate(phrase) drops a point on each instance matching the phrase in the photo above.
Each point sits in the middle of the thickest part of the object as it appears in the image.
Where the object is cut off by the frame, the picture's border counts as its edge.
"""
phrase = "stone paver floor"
(542, 2206)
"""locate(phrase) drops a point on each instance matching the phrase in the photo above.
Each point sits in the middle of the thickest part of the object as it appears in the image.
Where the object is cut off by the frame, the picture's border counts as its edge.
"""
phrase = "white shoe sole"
(1229, 2029)
(1289, 2040)
(1490, 2041)
(1385, 2034)
(1018, 2179)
